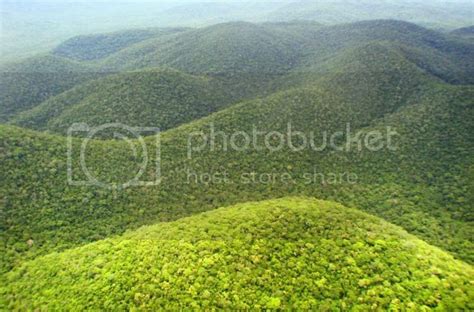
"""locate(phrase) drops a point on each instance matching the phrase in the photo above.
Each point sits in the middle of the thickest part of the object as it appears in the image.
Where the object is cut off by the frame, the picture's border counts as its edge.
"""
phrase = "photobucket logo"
(291, 139)
(133, 141)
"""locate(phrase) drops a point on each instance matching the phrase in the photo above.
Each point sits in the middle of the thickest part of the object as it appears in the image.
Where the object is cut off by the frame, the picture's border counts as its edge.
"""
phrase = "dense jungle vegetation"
(295, 232)
(292, 253)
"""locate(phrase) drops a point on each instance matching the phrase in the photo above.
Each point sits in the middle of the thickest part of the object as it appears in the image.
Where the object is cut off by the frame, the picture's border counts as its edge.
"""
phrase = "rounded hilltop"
(291, 253)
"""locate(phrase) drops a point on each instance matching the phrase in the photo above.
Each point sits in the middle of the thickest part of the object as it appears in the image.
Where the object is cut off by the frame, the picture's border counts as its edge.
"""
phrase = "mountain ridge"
(146, 98)
(430, 51)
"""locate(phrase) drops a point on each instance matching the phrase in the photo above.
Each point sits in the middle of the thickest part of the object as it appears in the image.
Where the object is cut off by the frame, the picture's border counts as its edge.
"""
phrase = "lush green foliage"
(246, 60)
(149, 98)
(422, 189)
(281, 47)
(27, 84)
(223, 48)
(92, 47)
(291, 253)
(371, 75)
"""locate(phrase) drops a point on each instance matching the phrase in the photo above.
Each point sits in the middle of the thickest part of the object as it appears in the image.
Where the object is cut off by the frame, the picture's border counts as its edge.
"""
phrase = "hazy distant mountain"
(242, 56)
(31, 27)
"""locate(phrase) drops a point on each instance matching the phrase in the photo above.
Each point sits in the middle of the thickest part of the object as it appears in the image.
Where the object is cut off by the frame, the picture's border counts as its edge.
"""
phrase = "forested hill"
(466, 32)
(292, 253)
(92, 47)
(26, 84)
(253, 60)
(146, 98)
